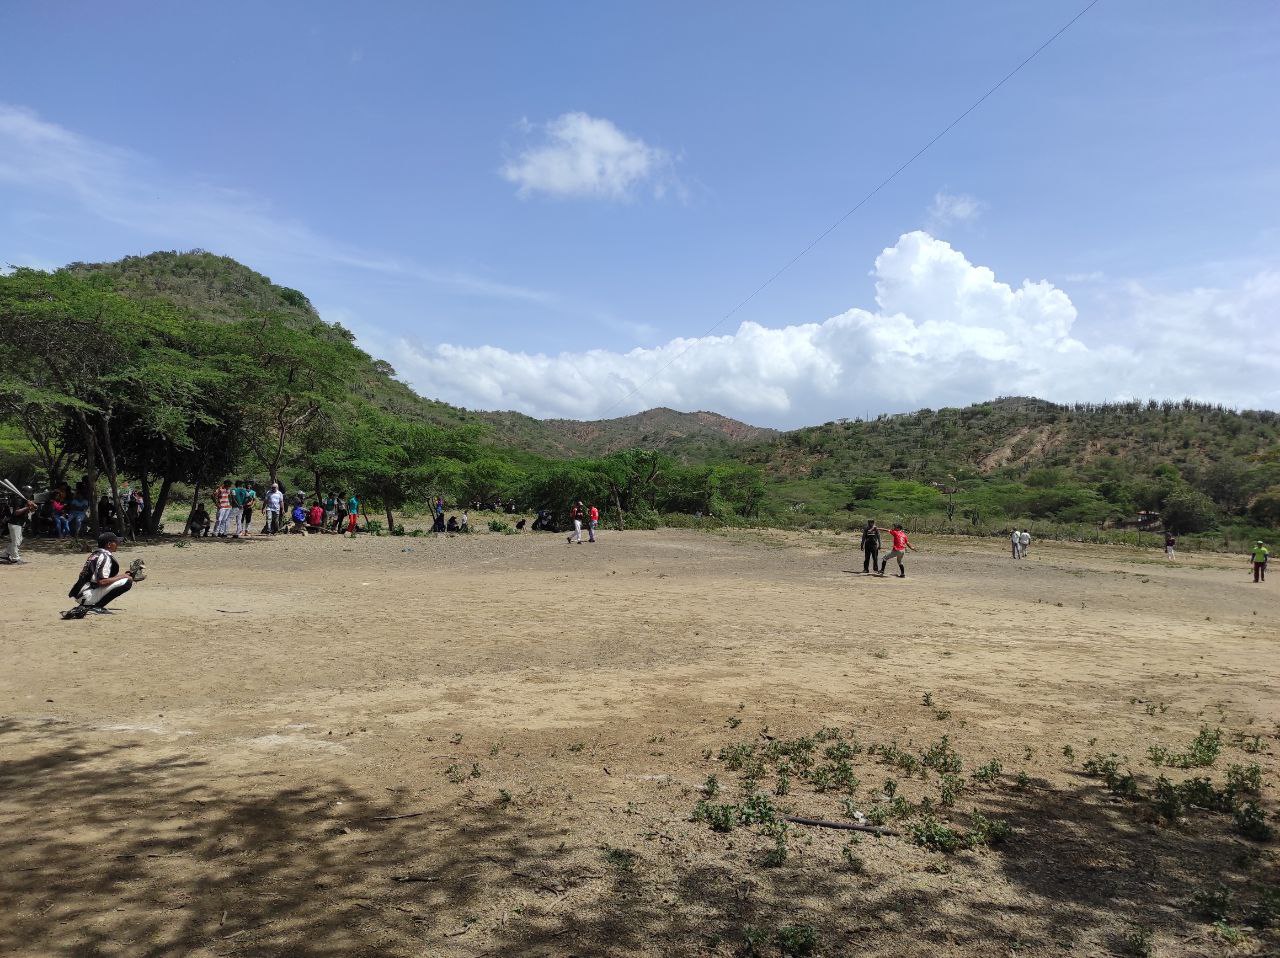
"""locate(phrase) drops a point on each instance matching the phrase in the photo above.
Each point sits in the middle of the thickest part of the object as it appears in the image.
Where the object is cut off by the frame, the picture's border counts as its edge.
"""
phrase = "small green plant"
(504, 797)
(721, 818)
(1266, 913)
(796, 941)
(1023, 781)
(498, 525)
(734, 721)
(1251, 822)
(577, 746)
(987, 831)
(783, 783)
(454, 774)
(941, 757)
(1232, 936)
(754, 942)
(890, 787)
(1252, 744)
(620, 858)
(777, 855)
(735, 756)
(927, 700)
(942, 714)
(852, 860)
(1068, 753)
(1138, 942)
(949, 789)
(1212, 902)
(711, 787)
(930, 833)
(1244, 779)
(475, 770)
(986, 773)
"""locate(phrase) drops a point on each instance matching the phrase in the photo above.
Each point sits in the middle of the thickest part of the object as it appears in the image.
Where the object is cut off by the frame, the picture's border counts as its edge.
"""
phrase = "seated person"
(299, 517)
(315, 518)
(452, 525)
(200, 524)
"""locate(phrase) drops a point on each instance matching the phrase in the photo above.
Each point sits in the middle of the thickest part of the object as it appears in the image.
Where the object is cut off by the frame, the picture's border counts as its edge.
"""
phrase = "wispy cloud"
(949, 208)
(129, 190)
(577, 155)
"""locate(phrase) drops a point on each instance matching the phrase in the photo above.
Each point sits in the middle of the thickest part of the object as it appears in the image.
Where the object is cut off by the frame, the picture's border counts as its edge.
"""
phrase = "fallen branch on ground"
(847, 826)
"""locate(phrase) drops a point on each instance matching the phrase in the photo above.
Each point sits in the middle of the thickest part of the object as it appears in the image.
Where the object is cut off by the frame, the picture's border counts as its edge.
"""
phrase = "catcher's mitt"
(138, 570)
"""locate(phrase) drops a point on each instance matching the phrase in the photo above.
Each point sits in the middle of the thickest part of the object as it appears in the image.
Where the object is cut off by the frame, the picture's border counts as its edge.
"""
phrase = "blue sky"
(543, 206)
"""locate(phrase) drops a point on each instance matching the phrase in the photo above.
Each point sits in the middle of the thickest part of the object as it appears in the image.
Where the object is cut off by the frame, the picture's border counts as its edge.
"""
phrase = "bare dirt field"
(495, 745)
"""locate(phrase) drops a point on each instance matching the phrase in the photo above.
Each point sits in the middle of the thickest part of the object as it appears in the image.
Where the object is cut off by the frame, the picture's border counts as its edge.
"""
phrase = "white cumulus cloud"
(579, 155)
(943, 331)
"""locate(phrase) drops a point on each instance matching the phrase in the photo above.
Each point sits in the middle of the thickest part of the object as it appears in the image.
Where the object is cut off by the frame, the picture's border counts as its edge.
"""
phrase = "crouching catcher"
(101, 580)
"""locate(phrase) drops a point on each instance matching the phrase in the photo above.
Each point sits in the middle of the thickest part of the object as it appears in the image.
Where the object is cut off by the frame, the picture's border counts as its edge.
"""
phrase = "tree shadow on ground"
(114, 850)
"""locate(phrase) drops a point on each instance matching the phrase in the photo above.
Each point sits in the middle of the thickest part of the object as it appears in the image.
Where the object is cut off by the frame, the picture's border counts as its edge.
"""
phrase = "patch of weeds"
(942, 714)
(840, 752)
(941, 757)
(1125, 786)
(1023, 781)
(504, 797)
(783, 783)
(494, 749)
(890, 787)
(1212, 902)
(1167, 799)
(1028, 753)
(620, 858)
(1266, 913)
(986, 774)
(754, 942)
(757, 809)
(1068, 753)
(1244, 779)
(1251, 822)
(734, 722)
(777, 855)
(1102, 766)
(1139, 942)
(879, 654)
(1203, 751)
(927, 700)
(475, 770)
(721, 818)
(1158, 755)
(1151, 709)
(454, 774)
(577, 746)
(796, 941)
(711, 787)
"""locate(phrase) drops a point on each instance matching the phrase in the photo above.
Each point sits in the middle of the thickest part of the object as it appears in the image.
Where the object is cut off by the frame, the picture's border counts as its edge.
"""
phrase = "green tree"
(1188, 510)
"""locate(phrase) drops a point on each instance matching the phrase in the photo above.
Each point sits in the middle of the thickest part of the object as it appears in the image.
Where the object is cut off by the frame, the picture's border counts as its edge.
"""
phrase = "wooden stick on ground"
(847, 826)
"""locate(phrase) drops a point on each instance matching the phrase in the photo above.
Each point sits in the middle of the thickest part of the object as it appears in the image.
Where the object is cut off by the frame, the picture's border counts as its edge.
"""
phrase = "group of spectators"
(234, 505)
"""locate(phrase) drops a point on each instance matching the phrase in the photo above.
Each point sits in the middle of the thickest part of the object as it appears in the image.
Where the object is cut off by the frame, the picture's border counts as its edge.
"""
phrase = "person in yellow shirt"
(1259, 557)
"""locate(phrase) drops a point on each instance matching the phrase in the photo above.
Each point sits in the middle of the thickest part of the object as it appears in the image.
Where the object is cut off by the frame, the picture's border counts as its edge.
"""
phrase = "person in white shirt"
(101, 580)
(1024, 540)
(1017, 544)
(275, 502)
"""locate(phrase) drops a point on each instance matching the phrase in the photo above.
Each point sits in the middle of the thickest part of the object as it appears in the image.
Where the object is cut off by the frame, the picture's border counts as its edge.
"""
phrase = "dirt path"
(177, 780)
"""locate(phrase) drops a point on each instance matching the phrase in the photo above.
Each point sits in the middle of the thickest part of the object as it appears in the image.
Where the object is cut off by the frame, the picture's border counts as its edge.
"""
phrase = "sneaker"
(99, 610)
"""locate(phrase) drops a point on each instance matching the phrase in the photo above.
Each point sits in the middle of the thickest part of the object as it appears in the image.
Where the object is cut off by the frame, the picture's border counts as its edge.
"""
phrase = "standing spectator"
(1024, 542)
(575, 515)
(20, 510)
(222, 505)
(106, 511)
(275, 503)
(465, 524)
(78, 511)
(1169, 543)
(1259, 555)
(593, 520)
(353, 513)
(900, 547)
(1016, 539)
(339, 514)
(330, 508)
(236, 523)
(246, 513)
(438, 525)
(870, 546)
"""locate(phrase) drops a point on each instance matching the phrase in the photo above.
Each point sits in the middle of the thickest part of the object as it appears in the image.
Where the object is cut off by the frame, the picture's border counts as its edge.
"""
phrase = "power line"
(857, 206)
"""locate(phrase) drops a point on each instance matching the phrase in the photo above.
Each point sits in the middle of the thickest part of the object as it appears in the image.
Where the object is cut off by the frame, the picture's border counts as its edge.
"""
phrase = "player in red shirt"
(900, 547)
(593, 518)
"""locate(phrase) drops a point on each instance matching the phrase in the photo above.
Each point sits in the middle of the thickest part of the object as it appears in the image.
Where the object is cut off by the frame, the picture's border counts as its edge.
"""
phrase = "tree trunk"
(91, 466)
(195, 501)
(391, 521)
(162, 500)
(109, 460)
(144, 518)
(618, 505)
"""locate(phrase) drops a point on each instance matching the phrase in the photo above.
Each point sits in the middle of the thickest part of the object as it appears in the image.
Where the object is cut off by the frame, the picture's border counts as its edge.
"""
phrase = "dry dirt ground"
(494, 745)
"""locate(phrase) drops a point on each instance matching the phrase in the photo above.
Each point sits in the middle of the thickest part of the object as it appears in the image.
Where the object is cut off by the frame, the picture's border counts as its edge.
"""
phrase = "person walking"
(900, 547)
(1016, 540)
(20, 510)
(870, 546)
(275, 504)
(101, 580)
(575, 515)
(1259, 557)
(1169, 543)
(1024, 542)
(222, 501)
(593, 520)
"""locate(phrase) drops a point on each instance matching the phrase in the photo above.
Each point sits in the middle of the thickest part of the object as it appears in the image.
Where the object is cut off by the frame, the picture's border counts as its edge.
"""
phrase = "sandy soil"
(493, 745)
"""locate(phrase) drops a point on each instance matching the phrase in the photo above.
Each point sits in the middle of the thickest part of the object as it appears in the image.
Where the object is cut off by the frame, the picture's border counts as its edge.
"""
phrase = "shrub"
(498, 525)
